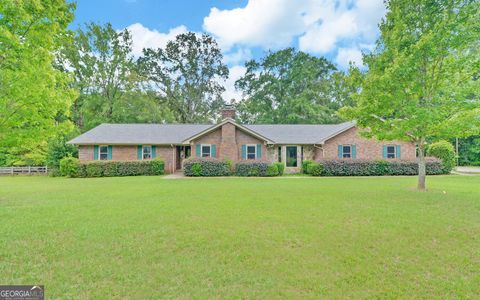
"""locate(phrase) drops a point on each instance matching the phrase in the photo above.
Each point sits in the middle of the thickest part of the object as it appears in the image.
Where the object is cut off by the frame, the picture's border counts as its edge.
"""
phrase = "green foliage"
(376, 168)
(206, 167)
(58, 148)
(34, 96)
(69, 166)
(305, 166)
(104, 69)
(272, 170)
(257, 168)
(444, 151)
(290, 87)
(280, 167)
(316, 169)
(121, 168)
(186, 72)
(469, 151)
(422, 78)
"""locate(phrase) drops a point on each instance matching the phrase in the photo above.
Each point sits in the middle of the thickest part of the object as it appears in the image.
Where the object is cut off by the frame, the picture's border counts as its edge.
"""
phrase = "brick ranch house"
(228, 139)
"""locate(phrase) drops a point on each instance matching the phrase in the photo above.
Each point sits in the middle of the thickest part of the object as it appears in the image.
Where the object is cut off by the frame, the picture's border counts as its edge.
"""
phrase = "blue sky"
(337, 29)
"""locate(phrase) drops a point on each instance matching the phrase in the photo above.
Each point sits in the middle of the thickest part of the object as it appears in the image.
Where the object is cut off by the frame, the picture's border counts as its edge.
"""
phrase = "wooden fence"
(23, 170)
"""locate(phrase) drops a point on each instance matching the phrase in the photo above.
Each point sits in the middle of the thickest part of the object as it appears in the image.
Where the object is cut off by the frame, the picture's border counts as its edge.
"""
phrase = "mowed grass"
(292, 238)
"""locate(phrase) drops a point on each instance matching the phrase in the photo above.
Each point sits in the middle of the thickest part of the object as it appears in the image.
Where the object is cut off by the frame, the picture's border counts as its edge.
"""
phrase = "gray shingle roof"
(138, 134)
(162, 134)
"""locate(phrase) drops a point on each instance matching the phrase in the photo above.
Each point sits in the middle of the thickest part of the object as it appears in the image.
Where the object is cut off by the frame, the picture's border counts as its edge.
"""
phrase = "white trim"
(299, 163)
(394, 151)
(143, 153)
(351, 151)
(246, 151)
(321, 142)
(100, 152)
(201, 150)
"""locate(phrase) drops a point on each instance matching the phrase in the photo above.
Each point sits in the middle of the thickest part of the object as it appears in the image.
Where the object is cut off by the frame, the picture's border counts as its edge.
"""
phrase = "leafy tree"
(422, 77)
(34, 96)
(185, 75)
(469, 151)
(291, 87)
(58, 148)
(105, 73)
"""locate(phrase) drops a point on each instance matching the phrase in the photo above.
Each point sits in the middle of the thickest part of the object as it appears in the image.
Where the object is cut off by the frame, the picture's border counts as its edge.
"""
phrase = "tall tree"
(106, 77)
(33, 94)
(185, 75)
(423, 77)
(290, 87)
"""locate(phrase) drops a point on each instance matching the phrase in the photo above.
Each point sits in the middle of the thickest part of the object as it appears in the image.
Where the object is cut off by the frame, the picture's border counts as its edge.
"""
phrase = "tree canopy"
(422, 79)
(34, 96)
(291, 87)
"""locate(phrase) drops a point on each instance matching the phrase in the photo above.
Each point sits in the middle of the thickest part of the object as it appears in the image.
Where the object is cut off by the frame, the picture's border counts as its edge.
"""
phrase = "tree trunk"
(422, 174)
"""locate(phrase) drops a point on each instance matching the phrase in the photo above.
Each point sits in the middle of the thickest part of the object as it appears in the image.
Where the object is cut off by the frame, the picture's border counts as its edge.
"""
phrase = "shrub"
(315, 169)
(121, 168)
(306, 165)
(280, 167)
(206, 167)
(272, 170)
(258, 168)
(69, 166)
(444, 151)
(376, 168)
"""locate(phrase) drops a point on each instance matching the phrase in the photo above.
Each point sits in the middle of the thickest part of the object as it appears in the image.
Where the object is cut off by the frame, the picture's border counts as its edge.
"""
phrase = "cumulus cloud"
(142, 37)
(230, 93)
(238, 56)
(319, 25)
(347, 55)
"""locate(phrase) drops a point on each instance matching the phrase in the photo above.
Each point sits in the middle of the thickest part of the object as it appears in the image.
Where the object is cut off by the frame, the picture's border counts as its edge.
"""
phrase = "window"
(347, 151)
(391, 153)
(103, 153)
(206, 150)
(279, 154)
(291, 156)
(251, 152)
(147, 152)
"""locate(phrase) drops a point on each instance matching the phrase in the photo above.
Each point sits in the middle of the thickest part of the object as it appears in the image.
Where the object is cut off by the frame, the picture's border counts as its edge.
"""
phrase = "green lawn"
(148, 237)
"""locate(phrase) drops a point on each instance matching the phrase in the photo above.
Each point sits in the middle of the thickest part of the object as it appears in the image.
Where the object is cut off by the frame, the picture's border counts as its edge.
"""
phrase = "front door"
(182, 153)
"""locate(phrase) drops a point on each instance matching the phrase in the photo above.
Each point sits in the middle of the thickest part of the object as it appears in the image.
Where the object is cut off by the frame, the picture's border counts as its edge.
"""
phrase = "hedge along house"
(230, 140)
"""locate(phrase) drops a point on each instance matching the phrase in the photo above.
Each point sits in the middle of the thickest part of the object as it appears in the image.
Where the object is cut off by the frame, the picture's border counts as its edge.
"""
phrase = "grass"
(146, 237)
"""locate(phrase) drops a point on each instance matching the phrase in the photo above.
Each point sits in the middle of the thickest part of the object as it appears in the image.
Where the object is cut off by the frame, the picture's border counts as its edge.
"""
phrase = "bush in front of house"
(258, 168)
(206, 167)
(444, 151)
(315, 169)
(337, 167)
(280, 167)
(121, 168)
(69, 166)
(306, 165)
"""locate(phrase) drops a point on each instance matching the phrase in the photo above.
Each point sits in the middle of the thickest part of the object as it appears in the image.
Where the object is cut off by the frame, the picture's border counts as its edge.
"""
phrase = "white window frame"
(143, 152)
(254, 152)
(100, 152)
(394, 151)
(343, 151)
(201, 150)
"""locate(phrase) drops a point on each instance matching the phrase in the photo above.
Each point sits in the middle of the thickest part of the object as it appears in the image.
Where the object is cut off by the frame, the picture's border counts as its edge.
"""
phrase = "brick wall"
(129, 153)
(366, 148)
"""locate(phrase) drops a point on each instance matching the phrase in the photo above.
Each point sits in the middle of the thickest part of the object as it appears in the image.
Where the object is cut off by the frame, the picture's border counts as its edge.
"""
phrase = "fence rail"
(23, 170)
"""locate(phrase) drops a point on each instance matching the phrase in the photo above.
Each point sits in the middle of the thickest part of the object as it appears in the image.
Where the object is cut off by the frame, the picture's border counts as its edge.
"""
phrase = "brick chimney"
(228, 111)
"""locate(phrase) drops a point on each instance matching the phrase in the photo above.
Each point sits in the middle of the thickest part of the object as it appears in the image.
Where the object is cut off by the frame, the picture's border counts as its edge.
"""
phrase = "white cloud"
(236, 57)
(230, 93)
(319, 25)
(347, 55)
(142, 37)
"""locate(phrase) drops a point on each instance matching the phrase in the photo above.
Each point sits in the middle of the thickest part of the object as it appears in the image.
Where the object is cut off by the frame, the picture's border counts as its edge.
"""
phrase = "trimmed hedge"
(258, 168)
(337, 167)
(121, 168)
(206, 167)
(280, 167)
(306, 166)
